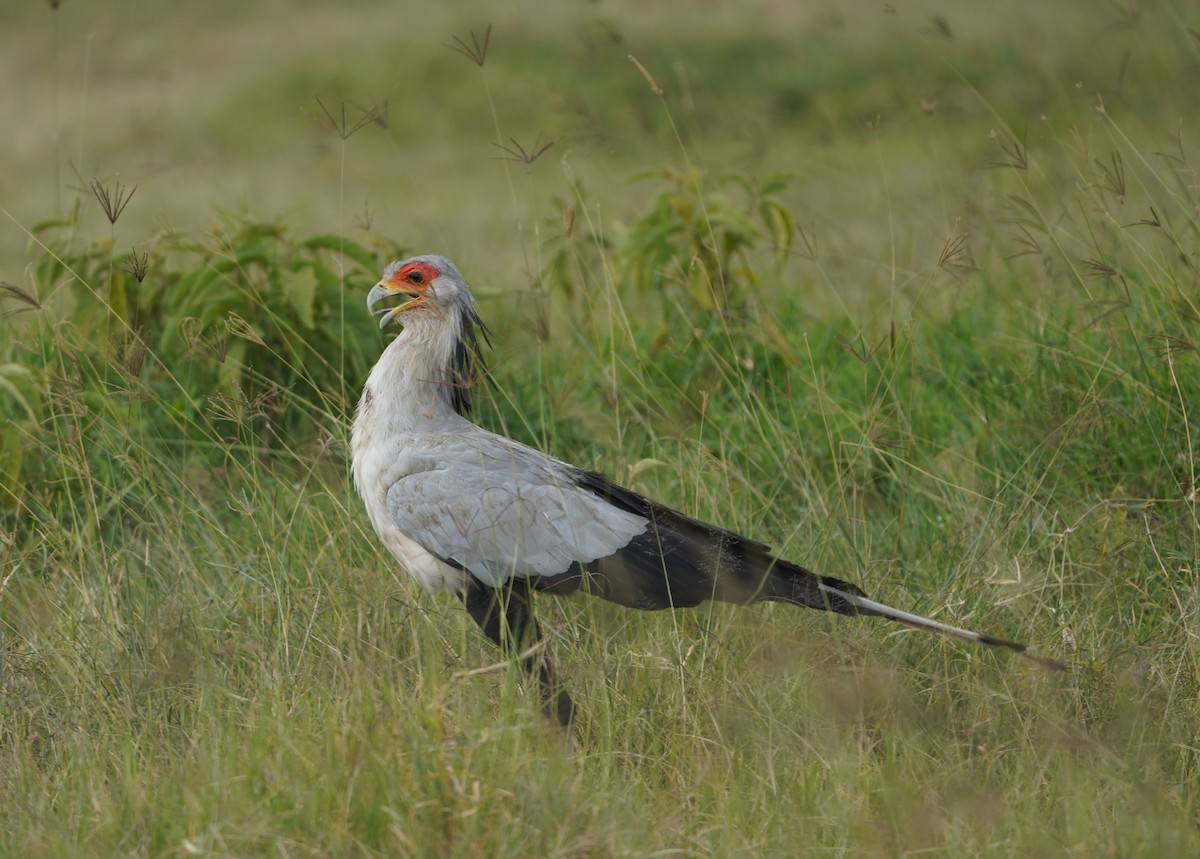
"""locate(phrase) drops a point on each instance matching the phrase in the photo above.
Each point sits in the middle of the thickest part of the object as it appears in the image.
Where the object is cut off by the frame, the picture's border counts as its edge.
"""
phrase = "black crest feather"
(469, 365)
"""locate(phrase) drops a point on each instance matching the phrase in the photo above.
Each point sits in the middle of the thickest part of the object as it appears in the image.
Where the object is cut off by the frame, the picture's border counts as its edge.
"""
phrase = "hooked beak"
(383, 290)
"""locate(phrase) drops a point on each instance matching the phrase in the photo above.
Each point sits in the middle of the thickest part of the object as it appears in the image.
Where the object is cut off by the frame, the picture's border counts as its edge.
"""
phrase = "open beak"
(383, 290)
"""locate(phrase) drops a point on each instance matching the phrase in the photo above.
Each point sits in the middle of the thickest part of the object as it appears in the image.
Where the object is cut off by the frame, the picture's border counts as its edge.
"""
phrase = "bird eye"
(415, 276)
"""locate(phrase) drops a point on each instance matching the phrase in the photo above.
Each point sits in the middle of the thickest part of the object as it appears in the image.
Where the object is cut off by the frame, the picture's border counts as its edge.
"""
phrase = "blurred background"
(886, 113)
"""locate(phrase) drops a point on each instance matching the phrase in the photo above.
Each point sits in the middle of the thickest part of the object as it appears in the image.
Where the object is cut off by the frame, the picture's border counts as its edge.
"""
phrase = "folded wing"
(502, 511)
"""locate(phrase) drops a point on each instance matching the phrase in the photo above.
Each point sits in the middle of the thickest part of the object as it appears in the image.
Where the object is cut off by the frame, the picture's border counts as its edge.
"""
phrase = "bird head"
(437, 307)
(425, 285)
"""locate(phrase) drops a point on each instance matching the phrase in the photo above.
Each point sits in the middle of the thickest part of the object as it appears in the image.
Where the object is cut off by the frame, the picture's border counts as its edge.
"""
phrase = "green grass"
(971, 389)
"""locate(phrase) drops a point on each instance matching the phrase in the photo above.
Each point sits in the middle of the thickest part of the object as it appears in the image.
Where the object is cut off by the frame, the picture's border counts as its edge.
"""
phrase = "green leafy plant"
(265, 312)
(222, 319)
(246, 338)
(696, 234)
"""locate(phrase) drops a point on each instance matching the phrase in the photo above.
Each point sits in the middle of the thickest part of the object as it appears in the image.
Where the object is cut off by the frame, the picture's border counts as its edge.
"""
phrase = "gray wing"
(502, 511)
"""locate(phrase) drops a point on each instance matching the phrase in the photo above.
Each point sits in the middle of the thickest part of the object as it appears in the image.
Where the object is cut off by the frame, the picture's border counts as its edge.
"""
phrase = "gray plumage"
(502, 511)
(491, 519)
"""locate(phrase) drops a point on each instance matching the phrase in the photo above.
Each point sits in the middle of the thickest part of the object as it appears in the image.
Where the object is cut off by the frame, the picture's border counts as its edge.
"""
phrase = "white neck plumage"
(413, 380)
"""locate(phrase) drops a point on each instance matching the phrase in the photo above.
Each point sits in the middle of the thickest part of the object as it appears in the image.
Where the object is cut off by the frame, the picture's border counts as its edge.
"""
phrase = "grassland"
(957, 365)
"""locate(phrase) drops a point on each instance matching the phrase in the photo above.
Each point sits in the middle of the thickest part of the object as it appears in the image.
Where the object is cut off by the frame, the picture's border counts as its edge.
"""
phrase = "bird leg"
(506, 616)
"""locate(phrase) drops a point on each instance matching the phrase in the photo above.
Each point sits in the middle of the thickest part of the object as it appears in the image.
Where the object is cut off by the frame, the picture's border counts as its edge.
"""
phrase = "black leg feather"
(506, 617)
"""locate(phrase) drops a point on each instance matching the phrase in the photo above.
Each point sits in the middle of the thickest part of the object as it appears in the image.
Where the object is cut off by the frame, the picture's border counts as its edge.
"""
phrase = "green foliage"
(244, 338)
(695, 236)
(245, 309)
(277, 317)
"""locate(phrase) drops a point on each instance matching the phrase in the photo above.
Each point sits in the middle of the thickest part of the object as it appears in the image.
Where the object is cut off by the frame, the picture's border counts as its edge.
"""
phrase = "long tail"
(792, 583)
(680, 561)
(869, 606)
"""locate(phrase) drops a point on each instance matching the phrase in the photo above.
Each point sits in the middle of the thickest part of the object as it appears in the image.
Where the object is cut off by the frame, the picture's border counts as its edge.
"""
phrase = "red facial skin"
(414, 278)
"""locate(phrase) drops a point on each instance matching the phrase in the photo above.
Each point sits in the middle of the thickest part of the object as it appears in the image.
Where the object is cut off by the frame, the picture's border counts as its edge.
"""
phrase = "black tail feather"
(791, 583)
(680, 562)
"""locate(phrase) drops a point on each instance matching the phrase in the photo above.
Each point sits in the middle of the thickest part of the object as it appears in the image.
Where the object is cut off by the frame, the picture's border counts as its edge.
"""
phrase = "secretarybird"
(490, 519)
